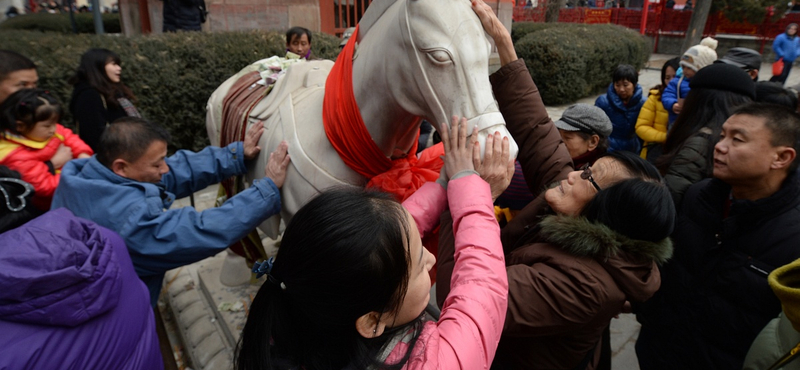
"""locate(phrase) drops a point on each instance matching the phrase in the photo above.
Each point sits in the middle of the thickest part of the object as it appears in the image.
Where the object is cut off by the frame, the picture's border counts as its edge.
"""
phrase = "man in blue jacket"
(786, 47)
(130, 185)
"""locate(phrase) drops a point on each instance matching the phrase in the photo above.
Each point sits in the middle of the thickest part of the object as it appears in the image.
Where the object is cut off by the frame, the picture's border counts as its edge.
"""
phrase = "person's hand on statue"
(458, 150)
(496, 168)
(251, 138)
(278, 163)
(498, 32)
(62, 156)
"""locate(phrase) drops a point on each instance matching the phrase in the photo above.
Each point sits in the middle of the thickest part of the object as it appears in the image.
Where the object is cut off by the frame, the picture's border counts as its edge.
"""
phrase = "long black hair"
(702, 108)
(92, 70)
(343, 255)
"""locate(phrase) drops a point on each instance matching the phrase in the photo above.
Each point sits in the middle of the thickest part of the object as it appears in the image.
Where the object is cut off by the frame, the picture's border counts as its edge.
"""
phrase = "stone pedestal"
(205, 343)
(209, 302)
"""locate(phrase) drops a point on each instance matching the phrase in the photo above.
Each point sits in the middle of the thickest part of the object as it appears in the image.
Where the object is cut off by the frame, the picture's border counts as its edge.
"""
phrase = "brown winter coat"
(567, 276)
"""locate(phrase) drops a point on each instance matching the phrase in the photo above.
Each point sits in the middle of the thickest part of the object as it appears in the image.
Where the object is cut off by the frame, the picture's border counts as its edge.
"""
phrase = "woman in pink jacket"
(350, 283)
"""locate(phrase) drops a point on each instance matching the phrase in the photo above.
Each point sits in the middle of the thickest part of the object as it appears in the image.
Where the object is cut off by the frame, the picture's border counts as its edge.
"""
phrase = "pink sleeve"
(74, 142)
(426, 205)
(474, 312)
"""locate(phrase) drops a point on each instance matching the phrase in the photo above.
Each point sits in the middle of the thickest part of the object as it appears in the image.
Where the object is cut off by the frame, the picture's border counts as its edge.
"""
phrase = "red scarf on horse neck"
(348, 134)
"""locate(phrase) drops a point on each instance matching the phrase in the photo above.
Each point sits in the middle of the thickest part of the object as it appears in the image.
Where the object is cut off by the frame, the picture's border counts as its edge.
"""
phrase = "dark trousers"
(787, 67)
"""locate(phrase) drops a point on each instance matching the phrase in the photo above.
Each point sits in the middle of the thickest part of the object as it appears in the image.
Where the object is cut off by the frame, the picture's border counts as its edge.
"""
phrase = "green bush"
(172, 75)
(569, 61)
(46, 22)
(520, 29)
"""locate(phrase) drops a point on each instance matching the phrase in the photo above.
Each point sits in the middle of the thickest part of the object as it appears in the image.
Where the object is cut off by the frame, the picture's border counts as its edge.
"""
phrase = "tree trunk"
(551, 12)
(697, 24)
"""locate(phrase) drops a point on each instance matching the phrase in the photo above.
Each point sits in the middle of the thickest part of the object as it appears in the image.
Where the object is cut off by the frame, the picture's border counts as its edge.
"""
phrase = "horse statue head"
(431, 59)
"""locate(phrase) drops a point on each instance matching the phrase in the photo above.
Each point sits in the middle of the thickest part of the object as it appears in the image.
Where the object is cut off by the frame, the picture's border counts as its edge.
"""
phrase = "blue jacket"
(672, 93)
(785, 47)
(623, 119)
(71, 300)
(160, 239)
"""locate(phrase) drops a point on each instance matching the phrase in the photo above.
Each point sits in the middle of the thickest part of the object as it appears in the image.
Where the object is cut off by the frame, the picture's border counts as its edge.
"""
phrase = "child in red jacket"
(34, 144)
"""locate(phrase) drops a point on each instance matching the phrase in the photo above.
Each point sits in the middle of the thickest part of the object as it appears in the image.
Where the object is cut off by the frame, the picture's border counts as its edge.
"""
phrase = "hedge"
(570, 61)
(46, 22)
(172, 75)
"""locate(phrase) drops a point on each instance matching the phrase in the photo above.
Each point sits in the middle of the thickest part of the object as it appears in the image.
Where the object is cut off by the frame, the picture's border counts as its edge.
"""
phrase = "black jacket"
(714, 297)
(186, 15)
(92, 113)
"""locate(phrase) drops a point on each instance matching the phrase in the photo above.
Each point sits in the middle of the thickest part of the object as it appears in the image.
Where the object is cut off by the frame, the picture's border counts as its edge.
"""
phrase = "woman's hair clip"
(22, 203)
(264, 267)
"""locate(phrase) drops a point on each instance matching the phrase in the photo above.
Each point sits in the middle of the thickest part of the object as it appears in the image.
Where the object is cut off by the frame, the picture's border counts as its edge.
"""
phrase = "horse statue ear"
(374, 12)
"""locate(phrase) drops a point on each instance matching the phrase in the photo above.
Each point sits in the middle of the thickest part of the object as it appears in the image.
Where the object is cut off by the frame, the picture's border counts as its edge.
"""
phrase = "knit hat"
(699, 56)
(585, 118)
(725, 77)
(785, 282)
(742, 57)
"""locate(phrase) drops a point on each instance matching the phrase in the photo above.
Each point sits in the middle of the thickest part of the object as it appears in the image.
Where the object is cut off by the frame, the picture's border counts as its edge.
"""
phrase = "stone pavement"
(203, 334)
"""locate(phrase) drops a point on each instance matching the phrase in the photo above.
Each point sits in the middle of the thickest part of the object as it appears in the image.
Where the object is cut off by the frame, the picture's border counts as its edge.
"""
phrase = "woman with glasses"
(578, 252)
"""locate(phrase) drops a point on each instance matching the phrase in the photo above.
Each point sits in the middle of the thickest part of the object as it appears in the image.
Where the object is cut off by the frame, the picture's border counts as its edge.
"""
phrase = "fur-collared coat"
(567, 276)
(566, 283)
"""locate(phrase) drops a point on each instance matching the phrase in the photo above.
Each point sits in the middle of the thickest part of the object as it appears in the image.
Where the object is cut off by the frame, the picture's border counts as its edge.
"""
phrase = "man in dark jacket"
(732, 231)
(186, 15)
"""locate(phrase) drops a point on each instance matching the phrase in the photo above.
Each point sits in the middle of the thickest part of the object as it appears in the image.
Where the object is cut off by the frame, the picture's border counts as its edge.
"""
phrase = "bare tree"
(696, 24)
(551, 12)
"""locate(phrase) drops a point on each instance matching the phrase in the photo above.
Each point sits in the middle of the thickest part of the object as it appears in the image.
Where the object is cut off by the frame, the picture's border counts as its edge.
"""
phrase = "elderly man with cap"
(584, 129)
(747, 59)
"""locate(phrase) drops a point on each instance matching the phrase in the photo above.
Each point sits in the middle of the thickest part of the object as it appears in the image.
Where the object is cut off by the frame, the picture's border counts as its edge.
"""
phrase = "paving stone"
(222, 361)
(207, 350)
(200, 331)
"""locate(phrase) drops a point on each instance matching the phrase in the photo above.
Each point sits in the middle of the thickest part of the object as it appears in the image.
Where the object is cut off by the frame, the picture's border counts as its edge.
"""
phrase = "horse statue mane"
(413, 59)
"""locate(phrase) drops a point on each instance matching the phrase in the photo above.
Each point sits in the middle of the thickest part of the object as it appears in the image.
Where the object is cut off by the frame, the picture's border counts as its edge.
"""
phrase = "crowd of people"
(681, 206)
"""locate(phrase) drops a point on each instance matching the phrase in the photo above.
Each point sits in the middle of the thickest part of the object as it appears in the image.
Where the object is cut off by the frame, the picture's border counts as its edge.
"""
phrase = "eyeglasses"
(587, 175)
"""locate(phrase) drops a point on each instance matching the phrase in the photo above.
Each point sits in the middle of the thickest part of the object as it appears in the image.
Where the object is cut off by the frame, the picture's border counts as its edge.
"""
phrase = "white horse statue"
(413, 58)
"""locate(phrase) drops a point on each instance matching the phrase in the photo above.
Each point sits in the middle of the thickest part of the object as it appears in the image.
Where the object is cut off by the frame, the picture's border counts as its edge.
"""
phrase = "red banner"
(597, 16)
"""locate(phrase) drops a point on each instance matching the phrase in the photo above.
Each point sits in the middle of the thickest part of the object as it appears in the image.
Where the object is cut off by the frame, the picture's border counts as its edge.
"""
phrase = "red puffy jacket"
(29, 158)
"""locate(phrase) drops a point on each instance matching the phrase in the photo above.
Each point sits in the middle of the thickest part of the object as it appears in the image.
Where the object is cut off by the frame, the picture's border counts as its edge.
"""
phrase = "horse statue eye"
(440, 56)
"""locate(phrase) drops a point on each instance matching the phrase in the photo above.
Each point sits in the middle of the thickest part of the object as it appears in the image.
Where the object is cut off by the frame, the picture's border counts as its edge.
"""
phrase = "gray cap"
(586, 118)
(348, 33)
(742, 57)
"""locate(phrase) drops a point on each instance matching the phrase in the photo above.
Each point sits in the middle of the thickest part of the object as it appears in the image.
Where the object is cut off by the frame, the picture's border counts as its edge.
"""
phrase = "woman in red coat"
(34, 144)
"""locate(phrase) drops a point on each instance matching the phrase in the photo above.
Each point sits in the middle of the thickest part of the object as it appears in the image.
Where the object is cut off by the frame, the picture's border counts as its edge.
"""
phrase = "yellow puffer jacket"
(651, 126)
